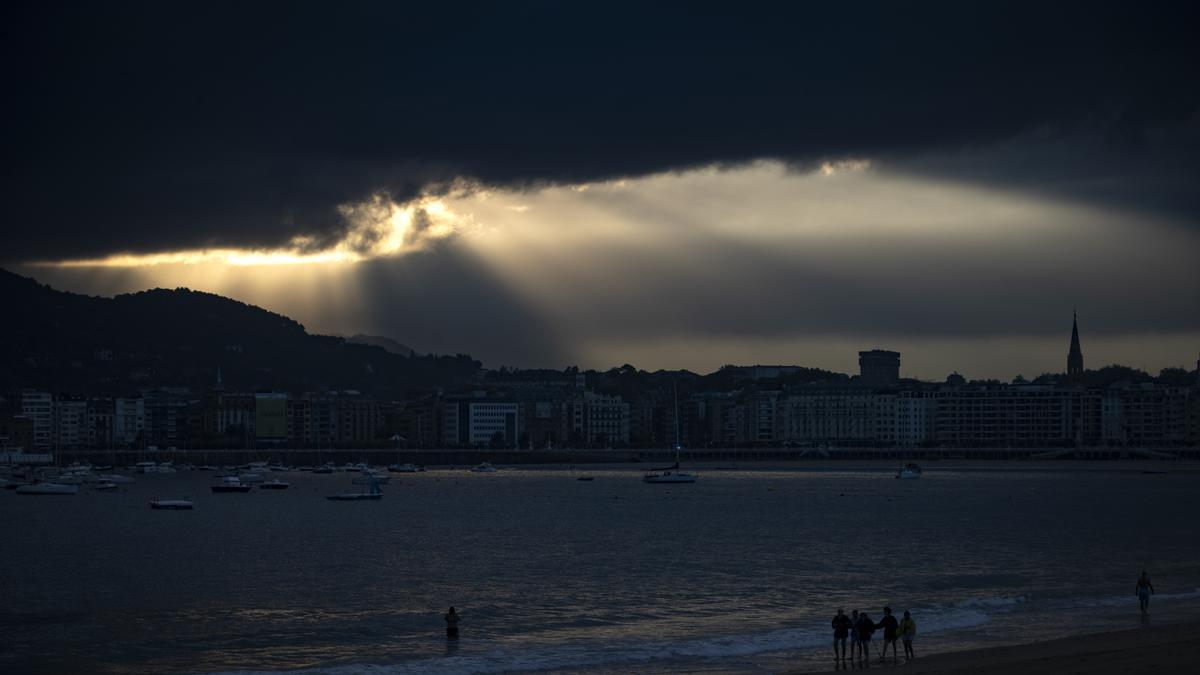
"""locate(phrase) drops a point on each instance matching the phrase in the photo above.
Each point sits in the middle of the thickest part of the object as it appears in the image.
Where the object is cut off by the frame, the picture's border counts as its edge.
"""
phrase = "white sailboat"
(671, 474)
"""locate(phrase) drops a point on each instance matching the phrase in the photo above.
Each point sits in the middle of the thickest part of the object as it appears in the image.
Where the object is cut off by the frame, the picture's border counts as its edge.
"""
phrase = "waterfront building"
(598, 420)
(913, 417)
(129, 420)
(479, 421)
(38, 407)
(760, 419)
(299, 423)
(69, 423)
(836, 415)
(16, 432)
(100, 423)
(1146, 414)
(270, 418)
(168, 417)
(358, 419)
(1018, 416)
(493, 423)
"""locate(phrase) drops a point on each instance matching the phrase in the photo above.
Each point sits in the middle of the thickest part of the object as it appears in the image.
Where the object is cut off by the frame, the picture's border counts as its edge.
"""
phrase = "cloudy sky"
(676, 185)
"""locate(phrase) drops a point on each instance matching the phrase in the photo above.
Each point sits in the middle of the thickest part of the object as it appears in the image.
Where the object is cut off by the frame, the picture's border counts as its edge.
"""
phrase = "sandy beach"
(1175, 648)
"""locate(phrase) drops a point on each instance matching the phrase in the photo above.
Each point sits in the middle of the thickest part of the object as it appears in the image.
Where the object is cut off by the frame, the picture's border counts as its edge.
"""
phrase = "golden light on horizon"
(758, 242)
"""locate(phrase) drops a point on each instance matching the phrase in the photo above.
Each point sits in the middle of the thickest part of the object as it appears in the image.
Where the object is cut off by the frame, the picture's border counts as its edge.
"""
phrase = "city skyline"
(835, 358)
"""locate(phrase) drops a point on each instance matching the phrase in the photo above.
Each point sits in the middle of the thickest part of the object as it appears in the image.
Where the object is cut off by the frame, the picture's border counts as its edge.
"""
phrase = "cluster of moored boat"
(242, 479)
(68, 481)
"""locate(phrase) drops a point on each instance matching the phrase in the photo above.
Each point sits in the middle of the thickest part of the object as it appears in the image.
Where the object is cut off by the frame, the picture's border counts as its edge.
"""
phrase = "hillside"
(68, 342)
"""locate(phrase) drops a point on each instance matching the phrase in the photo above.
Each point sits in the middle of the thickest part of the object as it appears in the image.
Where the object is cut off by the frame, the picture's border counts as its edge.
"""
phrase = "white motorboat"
(231, 484)
(484, 467)
(172, 505)
(274, 484)
(251, 477)
(48, 489)
(909, 471)
(106, 486)
(68, 479)
(115, 478)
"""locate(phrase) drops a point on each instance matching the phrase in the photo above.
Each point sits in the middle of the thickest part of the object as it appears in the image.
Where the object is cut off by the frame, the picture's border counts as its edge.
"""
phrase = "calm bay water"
(738, 572)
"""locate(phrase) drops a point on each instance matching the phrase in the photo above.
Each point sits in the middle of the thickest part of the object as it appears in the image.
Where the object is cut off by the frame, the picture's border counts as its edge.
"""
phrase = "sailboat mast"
(675, 388)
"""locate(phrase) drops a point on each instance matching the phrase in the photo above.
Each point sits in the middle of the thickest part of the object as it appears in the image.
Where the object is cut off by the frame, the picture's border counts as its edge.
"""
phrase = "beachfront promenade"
(706, 456)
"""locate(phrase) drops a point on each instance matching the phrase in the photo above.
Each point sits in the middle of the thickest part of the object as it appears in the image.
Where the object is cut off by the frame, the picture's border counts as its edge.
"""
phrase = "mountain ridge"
(179, 337)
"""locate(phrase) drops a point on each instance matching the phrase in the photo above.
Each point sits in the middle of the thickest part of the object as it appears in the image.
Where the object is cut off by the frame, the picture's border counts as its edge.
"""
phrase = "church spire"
(1075, 356)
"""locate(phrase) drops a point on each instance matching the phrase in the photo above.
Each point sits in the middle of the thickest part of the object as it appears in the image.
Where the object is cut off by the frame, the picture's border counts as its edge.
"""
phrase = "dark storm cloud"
(157, 126)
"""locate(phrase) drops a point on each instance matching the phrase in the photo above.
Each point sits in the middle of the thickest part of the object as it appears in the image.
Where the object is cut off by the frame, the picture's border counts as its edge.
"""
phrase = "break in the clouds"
(759, 262)
(157, 127)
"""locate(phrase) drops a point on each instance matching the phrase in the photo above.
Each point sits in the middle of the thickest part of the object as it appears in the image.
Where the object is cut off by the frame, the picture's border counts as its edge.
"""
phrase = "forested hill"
(66, 342)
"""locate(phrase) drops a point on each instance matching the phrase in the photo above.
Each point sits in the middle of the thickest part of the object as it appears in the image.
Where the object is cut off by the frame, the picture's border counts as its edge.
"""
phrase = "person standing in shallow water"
(853, 633)
(1144, 590)
(908, 630)
(841, 628)
(452, 619)
(864, 627)
(890, 626)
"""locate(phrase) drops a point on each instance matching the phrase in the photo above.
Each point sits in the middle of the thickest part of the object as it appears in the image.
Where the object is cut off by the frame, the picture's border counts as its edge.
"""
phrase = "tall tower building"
(879, 367)
(1075, 356)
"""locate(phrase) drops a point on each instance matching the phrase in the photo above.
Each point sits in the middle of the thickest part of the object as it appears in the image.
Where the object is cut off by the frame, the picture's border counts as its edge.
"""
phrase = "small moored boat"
(172, 505)
(47, 489)
(231, 484)
(483, 467)
(274, 484)
(909, 471)
(407, 467)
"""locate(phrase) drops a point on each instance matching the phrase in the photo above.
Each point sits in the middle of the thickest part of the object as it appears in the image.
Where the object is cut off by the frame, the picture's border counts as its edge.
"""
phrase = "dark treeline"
(65, 342)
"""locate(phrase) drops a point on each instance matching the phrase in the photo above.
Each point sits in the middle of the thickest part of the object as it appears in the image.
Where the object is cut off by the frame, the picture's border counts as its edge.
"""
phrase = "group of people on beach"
(859, 627)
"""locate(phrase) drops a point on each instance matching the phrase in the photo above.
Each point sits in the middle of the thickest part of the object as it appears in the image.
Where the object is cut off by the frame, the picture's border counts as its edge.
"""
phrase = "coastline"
(1174, 647)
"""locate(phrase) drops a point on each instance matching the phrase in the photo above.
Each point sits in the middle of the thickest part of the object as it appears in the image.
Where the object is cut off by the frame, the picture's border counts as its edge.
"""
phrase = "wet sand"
(1173, 648)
